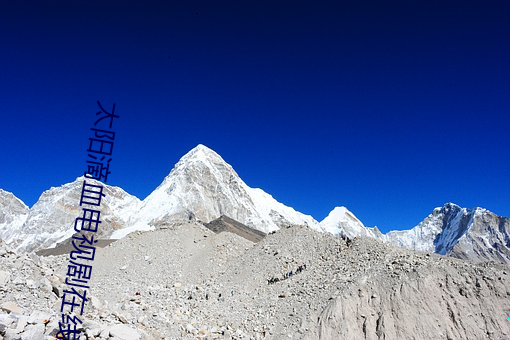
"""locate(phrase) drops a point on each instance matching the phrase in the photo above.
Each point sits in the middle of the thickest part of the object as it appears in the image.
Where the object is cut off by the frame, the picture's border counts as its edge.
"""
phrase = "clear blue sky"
(389, 108)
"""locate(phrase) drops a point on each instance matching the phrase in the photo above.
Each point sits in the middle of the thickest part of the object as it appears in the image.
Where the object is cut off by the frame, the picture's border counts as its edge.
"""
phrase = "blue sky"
(389, 108)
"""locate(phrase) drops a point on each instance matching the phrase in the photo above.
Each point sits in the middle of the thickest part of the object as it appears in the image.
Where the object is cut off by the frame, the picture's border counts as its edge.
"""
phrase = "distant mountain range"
(473, 234)
(203, 187)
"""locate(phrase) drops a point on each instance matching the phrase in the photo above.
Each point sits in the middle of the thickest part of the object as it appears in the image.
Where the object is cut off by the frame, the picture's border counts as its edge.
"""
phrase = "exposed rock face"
(437, 233)
(225, 223)
(203, 187)
(435, 301)
(488, 239)
(473, 234)
(52, 218)
(13, 213)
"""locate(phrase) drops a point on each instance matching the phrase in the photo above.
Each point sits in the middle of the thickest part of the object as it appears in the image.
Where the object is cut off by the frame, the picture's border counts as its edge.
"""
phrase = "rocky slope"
(185, 282)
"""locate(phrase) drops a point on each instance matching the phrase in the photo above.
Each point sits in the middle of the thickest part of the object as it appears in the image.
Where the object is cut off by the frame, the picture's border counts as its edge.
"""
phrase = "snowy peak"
(342, 222)
(340, 219)
(8, 199)
(476, 234)
(438, 232)
(450, 210)
(199, 160)
(51, 219)
(201, 153)
(203, 187)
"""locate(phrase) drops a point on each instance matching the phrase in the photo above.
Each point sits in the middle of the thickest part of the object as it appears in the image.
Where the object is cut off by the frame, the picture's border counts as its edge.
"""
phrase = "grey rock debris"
(186, 282)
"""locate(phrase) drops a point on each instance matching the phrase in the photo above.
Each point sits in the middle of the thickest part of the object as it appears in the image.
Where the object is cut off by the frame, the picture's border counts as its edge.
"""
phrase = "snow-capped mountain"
(342, 222)
(475, 234)
(203, 187)
(13, 213)
(51, 219)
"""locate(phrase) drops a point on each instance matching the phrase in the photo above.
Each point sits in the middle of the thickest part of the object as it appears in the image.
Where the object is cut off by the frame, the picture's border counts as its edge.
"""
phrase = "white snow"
(13, 213)
(341, 221)
(202, 184)
(51, 219)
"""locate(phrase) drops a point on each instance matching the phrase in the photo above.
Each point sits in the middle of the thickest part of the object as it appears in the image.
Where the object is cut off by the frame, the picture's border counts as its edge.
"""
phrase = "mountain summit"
(203, 187)
(475, 234)
(342, 222)
(51, 219)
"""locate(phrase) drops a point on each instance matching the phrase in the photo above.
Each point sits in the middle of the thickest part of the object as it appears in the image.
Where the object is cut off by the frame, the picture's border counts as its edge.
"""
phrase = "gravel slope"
(186, 282)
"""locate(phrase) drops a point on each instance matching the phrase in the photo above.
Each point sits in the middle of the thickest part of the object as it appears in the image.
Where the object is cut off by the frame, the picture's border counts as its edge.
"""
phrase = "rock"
(4, 277)
(96, 303)
(35, 258)
(39, 317)
(21, 323)
(190, 329)
(93, 332)
(95, 329)
(33, 332)
(45, 285)
(321, 301)
(283, 295)
(123, 332)
(10, 334)
(52, 327)
(31, 284)
(145, 336)
(105, 333)
(5, 322)
(122, 317)
(11, 306)
(92, 328)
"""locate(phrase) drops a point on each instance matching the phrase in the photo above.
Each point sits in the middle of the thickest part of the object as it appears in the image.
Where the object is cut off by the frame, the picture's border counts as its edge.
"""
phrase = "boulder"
(4, 277)
(11, 306)
(33, 332)
(123, 332)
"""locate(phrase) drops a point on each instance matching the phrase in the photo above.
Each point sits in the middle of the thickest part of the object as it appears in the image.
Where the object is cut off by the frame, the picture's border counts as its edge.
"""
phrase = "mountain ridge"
(202, 187)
